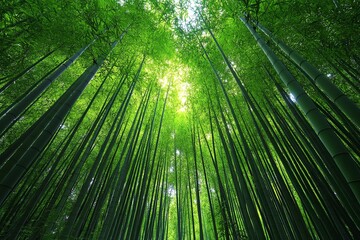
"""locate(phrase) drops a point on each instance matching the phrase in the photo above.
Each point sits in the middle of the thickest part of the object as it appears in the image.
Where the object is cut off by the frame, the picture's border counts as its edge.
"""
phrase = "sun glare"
(121, 2)
(292, 97)
(183, 95)
(187, 12)
(176, 76)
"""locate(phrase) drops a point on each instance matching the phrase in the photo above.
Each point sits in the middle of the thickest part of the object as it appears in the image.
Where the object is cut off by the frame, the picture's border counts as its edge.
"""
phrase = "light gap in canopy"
(121, 2)
(171, 191)
(292, 97)
(187, 13)
(176, 74)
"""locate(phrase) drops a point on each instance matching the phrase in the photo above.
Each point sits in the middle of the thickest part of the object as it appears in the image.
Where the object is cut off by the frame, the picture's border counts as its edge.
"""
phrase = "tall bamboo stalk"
(333, 92)
(331, 141)
(21, 160)
(15, 111)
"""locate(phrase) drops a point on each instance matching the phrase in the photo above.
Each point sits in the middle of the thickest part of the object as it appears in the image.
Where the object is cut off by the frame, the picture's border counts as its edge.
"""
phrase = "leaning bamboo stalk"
(347, 106)
(8, 108)
(45, 184)
(25, 71)
(331, 141)
(26, 155)
(10, 116)
(91, 180)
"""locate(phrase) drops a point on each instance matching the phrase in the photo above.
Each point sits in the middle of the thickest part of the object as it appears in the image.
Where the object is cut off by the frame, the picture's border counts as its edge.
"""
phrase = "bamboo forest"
(179, 119)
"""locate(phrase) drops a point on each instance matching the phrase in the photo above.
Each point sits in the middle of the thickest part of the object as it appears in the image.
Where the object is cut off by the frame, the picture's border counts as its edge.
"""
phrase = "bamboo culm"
(331, 141)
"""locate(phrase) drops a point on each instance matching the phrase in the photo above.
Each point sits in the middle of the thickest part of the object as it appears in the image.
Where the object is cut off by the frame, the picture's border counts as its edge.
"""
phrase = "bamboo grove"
(179, 119)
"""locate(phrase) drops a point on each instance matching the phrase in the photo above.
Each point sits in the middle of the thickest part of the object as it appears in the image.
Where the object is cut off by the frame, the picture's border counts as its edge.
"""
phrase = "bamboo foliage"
(182, 131)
